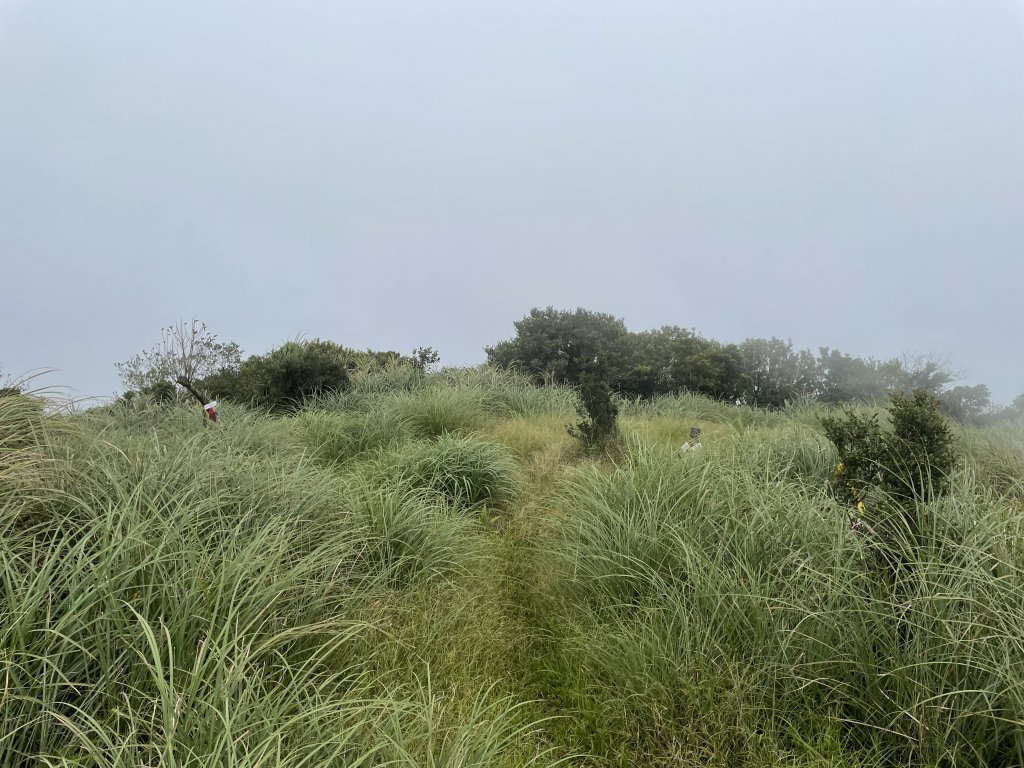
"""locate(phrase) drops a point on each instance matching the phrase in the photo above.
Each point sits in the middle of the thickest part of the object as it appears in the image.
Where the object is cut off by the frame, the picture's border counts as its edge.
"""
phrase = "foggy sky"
(397, 173)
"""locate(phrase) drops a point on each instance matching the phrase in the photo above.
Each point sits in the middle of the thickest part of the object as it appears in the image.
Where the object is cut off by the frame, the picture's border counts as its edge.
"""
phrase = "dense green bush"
(299, 371)
(922, 445)
(553, 345)
(912, 461)
(561, 344)
(159, 392)
(598, 411)
(294, 372)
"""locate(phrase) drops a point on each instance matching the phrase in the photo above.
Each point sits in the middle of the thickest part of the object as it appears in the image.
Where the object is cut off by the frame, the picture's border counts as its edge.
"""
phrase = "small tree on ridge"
(186, 353)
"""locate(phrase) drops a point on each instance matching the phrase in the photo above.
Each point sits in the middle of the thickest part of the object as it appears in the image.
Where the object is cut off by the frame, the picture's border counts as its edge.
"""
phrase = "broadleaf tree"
(564, 346)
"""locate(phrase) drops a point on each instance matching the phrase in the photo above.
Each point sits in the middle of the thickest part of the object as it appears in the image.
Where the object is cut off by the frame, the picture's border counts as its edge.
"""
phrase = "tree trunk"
(195, 392)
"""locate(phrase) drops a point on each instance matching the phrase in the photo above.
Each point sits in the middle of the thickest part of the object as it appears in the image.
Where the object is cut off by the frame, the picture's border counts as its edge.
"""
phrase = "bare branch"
(186, 353)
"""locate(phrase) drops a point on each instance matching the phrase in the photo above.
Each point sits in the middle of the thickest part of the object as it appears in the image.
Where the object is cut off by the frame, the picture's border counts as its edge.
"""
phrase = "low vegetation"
(426, 569)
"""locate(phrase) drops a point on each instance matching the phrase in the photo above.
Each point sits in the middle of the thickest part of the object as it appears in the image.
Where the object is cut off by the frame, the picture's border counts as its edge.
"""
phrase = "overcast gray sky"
(396, 173)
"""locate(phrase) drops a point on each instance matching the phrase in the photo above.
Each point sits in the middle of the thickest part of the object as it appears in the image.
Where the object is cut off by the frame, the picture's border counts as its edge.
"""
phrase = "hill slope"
(425, 571)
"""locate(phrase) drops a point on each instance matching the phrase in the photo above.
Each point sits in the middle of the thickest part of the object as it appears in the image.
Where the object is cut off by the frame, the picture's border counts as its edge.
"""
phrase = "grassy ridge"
(424, 571)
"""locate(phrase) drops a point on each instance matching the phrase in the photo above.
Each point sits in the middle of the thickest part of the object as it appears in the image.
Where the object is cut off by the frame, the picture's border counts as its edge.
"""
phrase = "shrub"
(425, 358)
(922, 446)
(598, 412)
(295, 371)
(911, 462)
(160, 392)
(563, 345)
(903, 469)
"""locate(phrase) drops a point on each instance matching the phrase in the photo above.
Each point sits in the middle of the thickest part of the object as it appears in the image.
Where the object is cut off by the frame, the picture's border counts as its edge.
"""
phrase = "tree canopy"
(570, 347)
(186, 353)
(563, 346)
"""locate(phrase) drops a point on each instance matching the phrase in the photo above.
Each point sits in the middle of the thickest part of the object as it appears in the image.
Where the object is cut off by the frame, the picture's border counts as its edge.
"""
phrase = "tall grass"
(509, 393)
(22, 458)
(336, 438)
(297, 590)
(464, 472)
(698, 409)
(996, 455)
(715, 608)
(441, 411)
(177, 600)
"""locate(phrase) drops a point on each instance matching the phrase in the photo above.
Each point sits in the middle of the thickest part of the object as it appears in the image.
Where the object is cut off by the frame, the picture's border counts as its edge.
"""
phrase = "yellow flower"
(839, 468)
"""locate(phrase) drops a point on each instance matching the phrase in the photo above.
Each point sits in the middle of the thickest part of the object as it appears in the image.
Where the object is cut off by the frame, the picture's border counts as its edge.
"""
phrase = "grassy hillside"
(425, 571)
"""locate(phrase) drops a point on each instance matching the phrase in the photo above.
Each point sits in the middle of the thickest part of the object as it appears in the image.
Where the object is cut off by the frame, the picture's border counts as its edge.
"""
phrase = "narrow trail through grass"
(426, 571)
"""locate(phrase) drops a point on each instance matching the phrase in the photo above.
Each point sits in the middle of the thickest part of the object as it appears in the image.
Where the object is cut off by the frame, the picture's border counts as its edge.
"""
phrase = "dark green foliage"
(161, 392)
(673, 359)
(714, 370)
(297, 371)
(775, 373)
(846, 379)
(560, 345)
(294, 372)
(967, 404)
(921, 448)
(597, 409)
(226, 384)
(654, 360)
(912, 462)
(861, 447)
